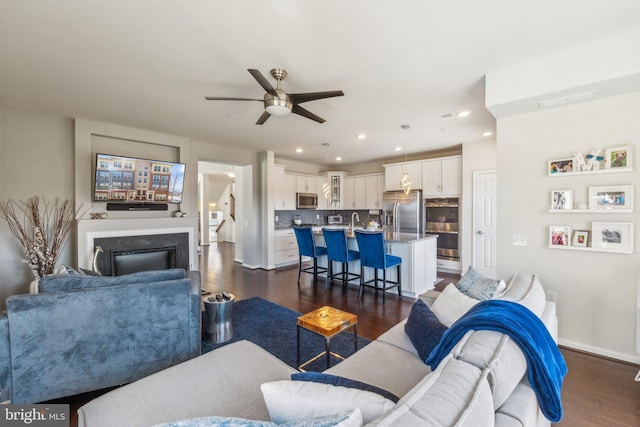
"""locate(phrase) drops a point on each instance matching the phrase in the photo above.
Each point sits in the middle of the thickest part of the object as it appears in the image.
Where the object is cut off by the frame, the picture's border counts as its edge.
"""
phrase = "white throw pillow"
(295, 400)
(451, 305)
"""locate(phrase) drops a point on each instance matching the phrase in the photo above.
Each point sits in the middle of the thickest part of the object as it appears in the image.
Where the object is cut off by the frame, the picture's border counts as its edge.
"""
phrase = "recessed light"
(397, 148)
(361, 136)
(338, 158)
(464, 113)
(487, 133)
(298, 150)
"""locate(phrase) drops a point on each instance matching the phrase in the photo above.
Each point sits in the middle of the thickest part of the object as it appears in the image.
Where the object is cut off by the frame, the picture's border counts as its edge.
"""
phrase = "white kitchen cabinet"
(442, 177)
(284, 189)
(359, 192)
(286, 247)
(393, 175)
(349, 201)
(336, 189)
(306, 184)
(374, 188)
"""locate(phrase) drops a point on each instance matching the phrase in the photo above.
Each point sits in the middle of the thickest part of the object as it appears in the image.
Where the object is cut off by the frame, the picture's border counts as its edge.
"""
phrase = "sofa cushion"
(295, 400)
(383, 365)
(456, 393)
(499, 355)
(320, 377)
(521, 409)
(525, 289)
(347, 419)
(451, 305)
(423, 329)
(67, 282)
(222, 382)
(476, 285)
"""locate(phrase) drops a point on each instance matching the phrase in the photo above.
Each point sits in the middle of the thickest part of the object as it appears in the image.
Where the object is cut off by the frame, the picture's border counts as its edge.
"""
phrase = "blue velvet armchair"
(83, 333)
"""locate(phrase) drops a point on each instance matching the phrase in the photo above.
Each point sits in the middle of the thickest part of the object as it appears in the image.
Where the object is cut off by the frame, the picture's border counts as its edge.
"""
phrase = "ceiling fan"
(279, 103)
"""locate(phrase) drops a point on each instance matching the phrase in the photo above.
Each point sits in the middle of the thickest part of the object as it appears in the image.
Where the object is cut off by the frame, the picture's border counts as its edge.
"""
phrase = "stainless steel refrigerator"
(403, 212)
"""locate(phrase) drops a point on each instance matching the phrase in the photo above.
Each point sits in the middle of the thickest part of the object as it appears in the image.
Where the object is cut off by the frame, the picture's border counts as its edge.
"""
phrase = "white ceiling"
(149, 64)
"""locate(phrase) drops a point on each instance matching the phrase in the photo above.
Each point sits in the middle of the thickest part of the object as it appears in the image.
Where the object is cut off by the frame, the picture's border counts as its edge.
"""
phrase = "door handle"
(479, 232)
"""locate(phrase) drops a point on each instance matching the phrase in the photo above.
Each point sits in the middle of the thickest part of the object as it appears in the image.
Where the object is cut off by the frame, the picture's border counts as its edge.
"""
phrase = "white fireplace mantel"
(90, 229)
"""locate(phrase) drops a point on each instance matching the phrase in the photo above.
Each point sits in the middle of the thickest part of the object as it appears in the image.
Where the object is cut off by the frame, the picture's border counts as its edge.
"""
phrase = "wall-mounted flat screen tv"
(129, 179)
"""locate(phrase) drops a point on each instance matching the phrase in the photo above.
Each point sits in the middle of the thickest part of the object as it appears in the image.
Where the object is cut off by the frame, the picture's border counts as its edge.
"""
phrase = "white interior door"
(484, 222)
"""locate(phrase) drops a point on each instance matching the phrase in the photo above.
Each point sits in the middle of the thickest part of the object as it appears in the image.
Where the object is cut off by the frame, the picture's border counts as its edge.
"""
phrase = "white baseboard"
(600, 351)
(250, 266)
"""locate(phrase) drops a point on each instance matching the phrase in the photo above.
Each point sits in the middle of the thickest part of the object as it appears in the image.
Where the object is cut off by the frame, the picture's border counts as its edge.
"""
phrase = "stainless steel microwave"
(306, 200)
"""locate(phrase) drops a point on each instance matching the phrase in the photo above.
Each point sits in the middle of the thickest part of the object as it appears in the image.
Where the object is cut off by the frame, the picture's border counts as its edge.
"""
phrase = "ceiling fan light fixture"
(277, 106)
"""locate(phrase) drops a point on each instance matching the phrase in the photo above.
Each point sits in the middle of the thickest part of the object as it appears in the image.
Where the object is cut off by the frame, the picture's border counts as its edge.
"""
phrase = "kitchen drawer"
(287, 256)
(285, 232)
(286, 243)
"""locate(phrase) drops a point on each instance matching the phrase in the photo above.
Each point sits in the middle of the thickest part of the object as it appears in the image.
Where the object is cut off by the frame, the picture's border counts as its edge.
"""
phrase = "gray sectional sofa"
(82, 333)
(481, 382)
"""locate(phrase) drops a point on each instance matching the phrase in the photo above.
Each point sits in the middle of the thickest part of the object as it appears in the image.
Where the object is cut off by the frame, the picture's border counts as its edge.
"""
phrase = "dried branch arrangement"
(42, 227)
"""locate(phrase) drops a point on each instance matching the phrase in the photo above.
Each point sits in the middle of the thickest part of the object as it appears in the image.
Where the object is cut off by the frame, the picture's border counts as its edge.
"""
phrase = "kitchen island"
(419, 260)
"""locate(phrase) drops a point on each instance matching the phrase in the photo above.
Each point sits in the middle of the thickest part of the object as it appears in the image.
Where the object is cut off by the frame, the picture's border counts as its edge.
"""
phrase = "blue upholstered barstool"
(337, 250)
(372, 254)
(307, 247)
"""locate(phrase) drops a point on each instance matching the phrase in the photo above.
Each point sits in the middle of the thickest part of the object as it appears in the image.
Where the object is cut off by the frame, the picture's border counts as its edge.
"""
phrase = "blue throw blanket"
(547, 367)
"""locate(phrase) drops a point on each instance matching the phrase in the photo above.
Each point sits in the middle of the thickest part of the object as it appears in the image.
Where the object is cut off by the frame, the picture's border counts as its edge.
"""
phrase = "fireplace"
(138, 237)
(130, 254)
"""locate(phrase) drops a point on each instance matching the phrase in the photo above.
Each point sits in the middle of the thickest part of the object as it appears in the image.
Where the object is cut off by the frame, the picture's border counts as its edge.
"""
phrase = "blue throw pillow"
(476, 285)
(423, 329)
(319, 377)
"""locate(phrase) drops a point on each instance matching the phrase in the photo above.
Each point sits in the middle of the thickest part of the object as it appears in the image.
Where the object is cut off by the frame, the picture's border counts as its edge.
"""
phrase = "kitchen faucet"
(355, 214)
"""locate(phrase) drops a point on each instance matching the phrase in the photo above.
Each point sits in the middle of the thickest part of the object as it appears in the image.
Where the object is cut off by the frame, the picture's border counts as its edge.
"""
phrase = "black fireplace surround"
(130, 254)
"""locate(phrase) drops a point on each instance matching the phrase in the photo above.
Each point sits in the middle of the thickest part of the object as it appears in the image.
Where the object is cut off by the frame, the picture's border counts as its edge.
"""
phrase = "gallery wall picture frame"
(619, 157)
(561, 200)
(580, 238)
(612, 236)
(559, 235)
(560, 166)
(611, 197)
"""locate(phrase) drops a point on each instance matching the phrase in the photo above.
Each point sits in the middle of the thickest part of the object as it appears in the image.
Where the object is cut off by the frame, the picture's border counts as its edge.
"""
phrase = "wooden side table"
(327, 322)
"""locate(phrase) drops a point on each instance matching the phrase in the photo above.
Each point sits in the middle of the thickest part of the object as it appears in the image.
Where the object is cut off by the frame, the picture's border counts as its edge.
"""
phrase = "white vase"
(33, 286)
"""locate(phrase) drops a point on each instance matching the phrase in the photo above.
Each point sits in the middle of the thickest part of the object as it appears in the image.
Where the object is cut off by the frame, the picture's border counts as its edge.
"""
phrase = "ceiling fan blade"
(262, 81)
(225, 98)
(263, 118)
(306, 113)
(299, 98)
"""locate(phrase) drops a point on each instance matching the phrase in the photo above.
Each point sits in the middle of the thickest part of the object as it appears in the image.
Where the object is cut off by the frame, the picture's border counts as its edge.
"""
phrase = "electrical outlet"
(318, 216)
(276, 218)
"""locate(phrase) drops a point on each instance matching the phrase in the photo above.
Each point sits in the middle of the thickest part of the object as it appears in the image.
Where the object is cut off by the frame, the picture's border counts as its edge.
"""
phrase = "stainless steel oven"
(442, 218)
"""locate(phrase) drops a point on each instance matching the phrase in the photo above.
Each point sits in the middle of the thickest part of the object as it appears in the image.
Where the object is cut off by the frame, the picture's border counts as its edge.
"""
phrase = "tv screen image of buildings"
(126, 179)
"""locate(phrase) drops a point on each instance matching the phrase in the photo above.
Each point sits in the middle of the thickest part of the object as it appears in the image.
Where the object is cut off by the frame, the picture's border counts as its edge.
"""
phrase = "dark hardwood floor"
(596, 391)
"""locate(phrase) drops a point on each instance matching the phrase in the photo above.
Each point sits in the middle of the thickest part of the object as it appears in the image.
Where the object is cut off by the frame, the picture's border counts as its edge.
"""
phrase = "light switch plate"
(519, 240)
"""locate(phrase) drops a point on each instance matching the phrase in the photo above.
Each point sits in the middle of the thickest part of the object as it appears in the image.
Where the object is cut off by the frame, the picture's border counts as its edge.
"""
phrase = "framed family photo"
(561, 199)
(614, 236)
(580, 238)
(618, 157)
(560, 166)
(613, 197)
(559, 235)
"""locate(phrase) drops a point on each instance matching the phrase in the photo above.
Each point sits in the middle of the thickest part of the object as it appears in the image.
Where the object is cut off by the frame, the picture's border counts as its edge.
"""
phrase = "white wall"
(596, 291)
(36, 160)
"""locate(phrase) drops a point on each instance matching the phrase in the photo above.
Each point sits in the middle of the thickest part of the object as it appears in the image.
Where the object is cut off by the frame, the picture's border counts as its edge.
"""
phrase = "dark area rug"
(273, 327)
